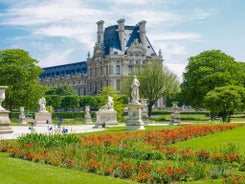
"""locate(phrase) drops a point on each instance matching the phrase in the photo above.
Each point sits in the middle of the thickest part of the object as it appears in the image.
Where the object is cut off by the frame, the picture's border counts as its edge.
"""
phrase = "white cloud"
(49, 12)
(75, 20)
(178, 69)
(55, 58)
(174, 36)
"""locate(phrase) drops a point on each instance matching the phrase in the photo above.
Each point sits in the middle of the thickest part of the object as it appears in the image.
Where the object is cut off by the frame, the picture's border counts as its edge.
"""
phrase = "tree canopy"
(63, 90)
(156, 81)
(225, 100)
(21, 74)
(206, 71)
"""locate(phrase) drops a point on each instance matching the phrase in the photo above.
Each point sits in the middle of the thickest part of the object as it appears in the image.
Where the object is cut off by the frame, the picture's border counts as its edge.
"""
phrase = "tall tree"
(156, 81)
(19, 71)
(225, 100)
(206, 71)
(92, 101)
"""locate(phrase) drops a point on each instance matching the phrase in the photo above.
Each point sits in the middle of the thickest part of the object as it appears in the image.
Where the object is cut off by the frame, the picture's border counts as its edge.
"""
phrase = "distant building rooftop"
(66, 69)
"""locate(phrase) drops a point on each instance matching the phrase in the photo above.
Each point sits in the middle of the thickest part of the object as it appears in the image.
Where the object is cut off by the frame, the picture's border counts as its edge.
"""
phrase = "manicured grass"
(17, 171)
(217, 141)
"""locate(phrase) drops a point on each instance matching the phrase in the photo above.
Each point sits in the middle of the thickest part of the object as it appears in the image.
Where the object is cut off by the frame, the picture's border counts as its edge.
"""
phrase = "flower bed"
(143, 156)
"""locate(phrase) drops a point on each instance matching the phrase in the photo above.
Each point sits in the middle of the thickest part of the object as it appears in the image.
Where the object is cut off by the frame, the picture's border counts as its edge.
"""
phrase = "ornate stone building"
(119, 50)
(74, 75)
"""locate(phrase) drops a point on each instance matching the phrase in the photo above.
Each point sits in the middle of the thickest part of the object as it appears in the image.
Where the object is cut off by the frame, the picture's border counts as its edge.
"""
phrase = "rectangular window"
(90, 71)
(118, 85)
(95, 72)
(101, 70)
(111, 69)
(130, 68)
(107, 70)
(118, 70)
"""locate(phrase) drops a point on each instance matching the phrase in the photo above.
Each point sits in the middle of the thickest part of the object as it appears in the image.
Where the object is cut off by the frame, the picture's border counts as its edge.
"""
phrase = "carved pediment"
(136, 48)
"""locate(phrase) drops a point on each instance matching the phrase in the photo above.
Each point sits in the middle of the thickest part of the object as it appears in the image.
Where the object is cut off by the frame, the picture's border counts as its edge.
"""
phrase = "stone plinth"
(145, 117)
(134, 121)
(22, 119)
(105, 118)
(175, 116)
(5, 122)
(87, 118)
(41, 118)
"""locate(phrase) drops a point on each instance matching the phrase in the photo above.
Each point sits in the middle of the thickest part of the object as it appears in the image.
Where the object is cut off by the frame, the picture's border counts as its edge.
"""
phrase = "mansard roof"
(131, 33)
(66, 69)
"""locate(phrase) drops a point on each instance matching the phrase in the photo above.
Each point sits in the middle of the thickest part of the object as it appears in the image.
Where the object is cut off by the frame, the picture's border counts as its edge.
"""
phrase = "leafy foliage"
(54, 100)
(156, 81)
(208, 70)
(88, 100)
(21, 74)
(71, 101)
(225, 100)
(61, 90)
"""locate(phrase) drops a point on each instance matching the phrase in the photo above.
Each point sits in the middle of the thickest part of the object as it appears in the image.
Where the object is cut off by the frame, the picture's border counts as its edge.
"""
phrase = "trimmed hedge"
(56, 115)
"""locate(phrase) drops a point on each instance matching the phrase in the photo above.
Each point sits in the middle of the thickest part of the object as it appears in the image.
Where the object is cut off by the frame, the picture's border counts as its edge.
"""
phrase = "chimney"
(121, 33)
(100, 32)
(142, 32)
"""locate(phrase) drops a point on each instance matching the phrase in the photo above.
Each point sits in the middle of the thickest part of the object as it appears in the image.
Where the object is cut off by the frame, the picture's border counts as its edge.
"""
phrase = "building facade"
(119, 50)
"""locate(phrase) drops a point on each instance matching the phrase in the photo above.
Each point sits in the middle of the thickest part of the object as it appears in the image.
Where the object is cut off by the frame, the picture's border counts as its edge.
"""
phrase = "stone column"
(142, 32)
(22, 117)
(87, 116)
(100, 32)
(4, 114)
(121, 30)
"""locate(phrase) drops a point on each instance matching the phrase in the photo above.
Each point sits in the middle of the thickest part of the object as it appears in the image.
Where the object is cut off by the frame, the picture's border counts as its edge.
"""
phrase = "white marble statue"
(135, 90)
(42, 103)
(109, 105)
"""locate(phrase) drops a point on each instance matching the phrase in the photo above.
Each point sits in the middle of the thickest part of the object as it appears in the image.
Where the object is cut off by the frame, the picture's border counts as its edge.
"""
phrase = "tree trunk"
(212, 115)
(150, 109)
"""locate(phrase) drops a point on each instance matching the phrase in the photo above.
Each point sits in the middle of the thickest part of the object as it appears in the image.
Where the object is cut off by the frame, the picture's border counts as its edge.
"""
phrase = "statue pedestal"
(87, 118)
(5, 122)
(41, 118)
(134, 121)
(145, 117)
(105, 118)
(22, 119)
(175, 117)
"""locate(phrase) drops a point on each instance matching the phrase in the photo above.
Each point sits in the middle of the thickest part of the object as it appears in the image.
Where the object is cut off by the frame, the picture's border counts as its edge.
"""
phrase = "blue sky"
(64, 31)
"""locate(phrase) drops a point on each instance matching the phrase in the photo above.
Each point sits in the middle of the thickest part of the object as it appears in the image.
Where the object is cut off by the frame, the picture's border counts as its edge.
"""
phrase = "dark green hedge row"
(162, 112)
(56, 115)
(71, 115)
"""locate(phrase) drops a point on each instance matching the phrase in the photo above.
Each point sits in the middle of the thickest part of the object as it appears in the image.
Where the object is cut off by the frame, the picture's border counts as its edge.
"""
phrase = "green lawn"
(214, 142)
(17, 171)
